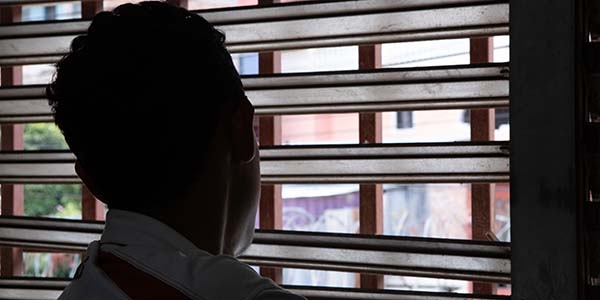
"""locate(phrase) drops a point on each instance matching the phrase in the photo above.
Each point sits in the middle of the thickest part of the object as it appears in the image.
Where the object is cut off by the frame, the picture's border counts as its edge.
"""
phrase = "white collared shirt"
(160, 251)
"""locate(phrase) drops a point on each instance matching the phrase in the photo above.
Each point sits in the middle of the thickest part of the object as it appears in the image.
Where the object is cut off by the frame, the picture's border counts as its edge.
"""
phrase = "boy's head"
(150, 103)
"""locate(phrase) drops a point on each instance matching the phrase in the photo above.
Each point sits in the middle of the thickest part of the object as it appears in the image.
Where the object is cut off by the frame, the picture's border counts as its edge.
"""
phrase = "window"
(376, 112)
(59, 11)
(404, 119)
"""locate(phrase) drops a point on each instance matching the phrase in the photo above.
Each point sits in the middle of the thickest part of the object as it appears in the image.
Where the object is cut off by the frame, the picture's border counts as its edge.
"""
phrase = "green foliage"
(44, 136)
(57, 200)
(54, 265)
(49, 200)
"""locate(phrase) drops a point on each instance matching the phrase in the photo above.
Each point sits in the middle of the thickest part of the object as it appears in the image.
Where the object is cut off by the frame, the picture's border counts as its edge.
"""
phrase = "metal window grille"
(267, 28)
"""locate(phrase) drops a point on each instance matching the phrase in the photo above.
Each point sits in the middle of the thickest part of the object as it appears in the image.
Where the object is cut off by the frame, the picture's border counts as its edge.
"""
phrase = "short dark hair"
(137, 99)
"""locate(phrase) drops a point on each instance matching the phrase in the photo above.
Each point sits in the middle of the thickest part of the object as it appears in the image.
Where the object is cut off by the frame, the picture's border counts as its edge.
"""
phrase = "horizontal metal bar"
(380, 262)
(379, 270)
(329, 179)
(15, 293)
(348, 23)
(385, 243)
(285, 11)
(49, 289)
(441, 162)
(23, 104)
(377, 107)
(458, 149)
(435, 19)
(30, 60)
(459, 259)
(89, 227)
(369, 77)
(325, 92)
(358, 294)
(26, 119)
(408, 166)
(445, 162)
(418, 92)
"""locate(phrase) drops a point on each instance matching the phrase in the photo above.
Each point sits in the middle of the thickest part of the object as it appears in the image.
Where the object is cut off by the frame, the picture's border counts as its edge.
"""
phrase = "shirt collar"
(133, 229)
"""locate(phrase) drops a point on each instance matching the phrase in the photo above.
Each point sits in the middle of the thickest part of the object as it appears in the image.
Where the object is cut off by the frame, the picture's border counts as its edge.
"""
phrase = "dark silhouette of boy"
(150, 103)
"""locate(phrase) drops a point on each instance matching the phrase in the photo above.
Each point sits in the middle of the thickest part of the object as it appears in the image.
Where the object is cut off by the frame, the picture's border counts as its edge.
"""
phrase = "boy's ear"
(243, 139)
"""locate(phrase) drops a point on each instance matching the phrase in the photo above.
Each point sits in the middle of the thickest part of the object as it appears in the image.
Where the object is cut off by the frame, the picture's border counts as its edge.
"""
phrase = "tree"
(49, 200)
(43, 136)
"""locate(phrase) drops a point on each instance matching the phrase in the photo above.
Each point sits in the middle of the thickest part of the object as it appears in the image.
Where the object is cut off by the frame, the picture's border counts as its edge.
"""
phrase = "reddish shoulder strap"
(135, 283)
